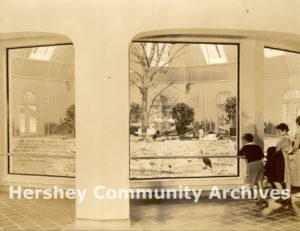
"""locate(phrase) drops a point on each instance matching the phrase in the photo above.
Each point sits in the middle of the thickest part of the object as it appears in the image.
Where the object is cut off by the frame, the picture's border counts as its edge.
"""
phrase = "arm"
(284, 144)
(241, 152)
(261, 153)
(296, 144)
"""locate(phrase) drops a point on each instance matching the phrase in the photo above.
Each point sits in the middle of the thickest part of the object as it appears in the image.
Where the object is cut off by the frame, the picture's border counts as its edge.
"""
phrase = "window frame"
(199, 42)
(291, 102)
(8, 113)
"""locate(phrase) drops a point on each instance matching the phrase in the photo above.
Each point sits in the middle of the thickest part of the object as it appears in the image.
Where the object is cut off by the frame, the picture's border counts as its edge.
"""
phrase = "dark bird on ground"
(207, 162)
(156, 135)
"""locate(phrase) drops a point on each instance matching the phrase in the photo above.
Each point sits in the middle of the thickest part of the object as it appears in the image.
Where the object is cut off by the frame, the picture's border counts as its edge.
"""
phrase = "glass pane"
(167, 168)
(22, 122)
(281, 92)
(32, 124)
(42, 102)
(184, 107)
(32, 108)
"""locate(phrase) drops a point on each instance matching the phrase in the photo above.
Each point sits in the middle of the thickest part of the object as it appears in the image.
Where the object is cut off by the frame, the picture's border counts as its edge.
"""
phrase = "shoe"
(266, 203)
(287, 201)
(262, 203)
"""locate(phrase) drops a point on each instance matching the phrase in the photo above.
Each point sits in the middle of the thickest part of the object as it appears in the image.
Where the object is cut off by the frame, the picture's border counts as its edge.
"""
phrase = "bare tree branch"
(143, 45)
(160, 54)
(174, 56)
(140, 59)
(152, 52)
(134, 83)
(136, 73)
(158, 94)
(148, 65)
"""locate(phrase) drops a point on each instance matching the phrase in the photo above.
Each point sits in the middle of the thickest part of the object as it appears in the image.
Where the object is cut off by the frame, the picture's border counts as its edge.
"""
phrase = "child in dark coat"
(255, 165)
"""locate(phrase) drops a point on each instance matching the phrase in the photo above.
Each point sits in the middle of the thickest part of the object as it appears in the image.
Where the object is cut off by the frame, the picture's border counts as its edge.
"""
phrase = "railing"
(159, 173)
(63, 156)
(59, 156)
(131, 158)
(182, 157)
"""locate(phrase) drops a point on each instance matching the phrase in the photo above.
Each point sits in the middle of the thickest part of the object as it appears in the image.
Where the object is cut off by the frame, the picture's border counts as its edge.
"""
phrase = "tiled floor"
(156, 215)
(216, 215)
(35, 214)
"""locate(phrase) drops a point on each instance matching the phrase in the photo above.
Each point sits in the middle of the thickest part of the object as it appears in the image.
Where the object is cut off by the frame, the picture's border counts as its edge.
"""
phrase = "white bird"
(210, 137)
(223, 128)
(158, 120)
(171, 121)
(173, 128)
(150, 131)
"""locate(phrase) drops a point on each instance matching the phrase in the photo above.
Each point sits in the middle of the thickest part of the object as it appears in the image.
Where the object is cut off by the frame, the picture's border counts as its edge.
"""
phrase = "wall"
(202, 96)
(101, 32)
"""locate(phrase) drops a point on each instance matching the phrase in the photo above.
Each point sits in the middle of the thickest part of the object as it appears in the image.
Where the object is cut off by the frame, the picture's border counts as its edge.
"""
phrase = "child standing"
(255, 166)
(284, 145)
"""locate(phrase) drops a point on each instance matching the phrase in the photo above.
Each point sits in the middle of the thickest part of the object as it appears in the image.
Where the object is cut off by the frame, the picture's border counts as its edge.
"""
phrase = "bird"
(172, 126)
(210, 137)
(170, 121)
(150, 131)
(156, 135)
(207, 162)
(171, 129)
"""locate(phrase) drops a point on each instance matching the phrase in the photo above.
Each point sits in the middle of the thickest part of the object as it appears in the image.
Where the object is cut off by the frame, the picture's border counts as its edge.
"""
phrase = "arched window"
(30, 96)
(27, 114)
(292, 94)
(291, 108)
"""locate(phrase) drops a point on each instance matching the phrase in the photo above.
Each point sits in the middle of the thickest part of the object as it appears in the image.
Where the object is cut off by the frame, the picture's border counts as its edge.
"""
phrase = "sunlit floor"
(35, 214)
(156, 215)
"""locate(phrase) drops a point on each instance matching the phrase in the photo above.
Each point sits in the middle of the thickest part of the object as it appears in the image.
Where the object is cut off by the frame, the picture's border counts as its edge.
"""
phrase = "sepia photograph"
(149, 115)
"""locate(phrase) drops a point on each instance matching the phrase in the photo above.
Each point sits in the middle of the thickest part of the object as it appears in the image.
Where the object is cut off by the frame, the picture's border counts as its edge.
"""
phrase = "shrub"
(70, 120)
(230, 109)
(65, 126)
(135, 114)
(183, 115)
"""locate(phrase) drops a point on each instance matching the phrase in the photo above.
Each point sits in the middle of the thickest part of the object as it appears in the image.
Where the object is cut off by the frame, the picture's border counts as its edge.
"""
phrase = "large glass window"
(281, 92)
(41, 110)
(183, 110)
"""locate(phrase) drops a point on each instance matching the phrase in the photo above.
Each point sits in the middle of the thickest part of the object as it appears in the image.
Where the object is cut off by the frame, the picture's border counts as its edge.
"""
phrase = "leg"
(286, 186)
(260, 200)
(273, 185)
(278, 186)
(281, 186)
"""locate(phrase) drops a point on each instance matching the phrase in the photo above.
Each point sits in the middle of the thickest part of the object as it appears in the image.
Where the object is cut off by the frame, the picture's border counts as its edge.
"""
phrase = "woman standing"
(296, 161)
(284, 144)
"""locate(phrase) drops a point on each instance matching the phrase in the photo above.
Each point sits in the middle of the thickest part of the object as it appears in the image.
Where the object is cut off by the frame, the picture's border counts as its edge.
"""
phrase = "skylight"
(42, 53)
(272, 52)
(213, 53)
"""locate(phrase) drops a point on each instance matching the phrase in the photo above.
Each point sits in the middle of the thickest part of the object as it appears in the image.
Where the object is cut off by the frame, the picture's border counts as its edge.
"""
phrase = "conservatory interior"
(137, 95)
(185, 118)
